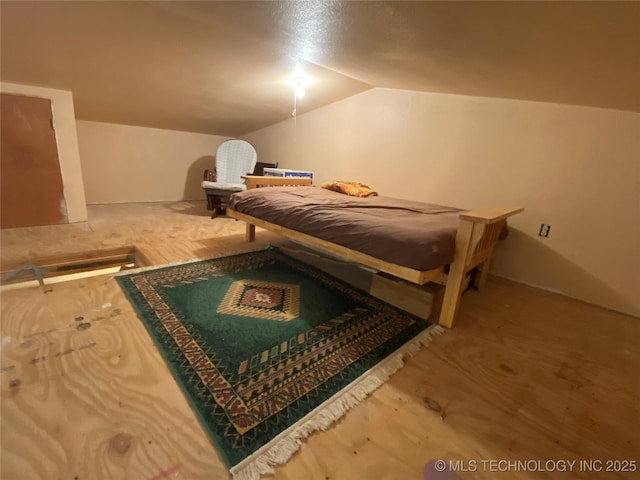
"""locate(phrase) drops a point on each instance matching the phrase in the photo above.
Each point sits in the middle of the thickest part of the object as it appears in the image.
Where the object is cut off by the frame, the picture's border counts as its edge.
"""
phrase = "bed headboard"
(259, 181)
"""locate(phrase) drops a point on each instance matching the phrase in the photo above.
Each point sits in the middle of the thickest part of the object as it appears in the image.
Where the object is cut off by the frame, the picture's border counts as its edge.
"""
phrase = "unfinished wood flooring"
(525, 374)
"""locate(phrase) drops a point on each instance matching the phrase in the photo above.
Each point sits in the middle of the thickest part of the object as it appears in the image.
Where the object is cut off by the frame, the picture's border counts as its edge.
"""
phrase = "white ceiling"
(219, 67)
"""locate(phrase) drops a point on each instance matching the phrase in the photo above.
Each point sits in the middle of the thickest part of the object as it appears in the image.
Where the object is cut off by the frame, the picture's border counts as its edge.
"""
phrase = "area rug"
(268, 349)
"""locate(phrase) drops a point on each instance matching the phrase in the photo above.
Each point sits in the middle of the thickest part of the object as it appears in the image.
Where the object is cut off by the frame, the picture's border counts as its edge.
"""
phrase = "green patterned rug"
(260, 342)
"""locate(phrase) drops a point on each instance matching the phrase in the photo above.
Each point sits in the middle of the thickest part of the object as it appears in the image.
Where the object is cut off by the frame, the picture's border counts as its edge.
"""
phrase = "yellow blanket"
(355, 189)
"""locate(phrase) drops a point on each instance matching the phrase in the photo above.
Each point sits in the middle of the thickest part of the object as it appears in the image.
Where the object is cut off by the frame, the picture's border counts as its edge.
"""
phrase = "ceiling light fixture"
(298, 87)
(299, 82)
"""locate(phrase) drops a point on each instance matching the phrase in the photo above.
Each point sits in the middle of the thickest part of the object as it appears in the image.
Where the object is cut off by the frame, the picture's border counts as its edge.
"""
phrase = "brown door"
(31, 183)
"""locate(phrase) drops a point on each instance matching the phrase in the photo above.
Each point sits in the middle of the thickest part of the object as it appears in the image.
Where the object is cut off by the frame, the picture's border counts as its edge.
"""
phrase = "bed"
(413, 241)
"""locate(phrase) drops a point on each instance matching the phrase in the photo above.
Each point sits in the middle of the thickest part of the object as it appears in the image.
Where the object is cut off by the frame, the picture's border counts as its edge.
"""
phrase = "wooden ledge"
(490, 215)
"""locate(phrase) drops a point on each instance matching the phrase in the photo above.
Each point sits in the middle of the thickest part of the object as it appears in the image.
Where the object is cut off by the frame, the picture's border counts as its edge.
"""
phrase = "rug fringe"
(282, 447)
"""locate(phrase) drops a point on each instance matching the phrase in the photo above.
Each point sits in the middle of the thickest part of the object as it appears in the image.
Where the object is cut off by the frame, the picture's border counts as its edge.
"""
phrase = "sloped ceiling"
(220, 67)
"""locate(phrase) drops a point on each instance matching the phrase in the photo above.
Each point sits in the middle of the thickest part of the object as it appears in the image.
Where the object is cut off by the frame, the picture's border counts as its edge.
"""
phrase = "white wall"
(64, 120)
(123, 163)
(575, 168)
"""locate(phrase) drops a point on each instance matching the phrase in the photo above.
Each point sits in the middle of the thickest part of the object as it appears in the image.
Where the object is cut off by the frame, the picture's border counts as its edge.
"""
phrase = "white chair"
(234, 158)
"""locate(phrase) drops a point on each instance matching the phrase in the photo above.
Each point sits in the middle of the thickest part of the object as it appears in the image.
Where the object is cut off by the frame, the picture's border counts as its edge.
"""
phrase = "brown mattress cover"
(413, 234)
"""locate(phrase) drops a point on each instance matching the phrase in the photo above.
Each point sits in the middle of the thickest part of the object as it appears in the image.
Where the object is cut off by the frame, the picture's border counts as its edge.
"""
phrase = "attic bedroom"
(161, 321)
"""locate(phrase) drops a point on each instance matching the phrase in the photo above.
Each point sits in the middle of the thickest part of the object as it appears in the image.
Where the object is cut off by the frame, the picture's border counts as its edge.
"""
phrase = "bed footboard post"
(477, 235)
(250, 234)
(457, 271)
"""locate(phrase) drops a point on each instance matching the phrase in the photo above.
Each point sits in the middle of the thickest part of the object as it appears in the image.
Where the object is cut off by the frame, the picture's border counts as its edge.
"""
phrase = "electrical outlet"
(544, 230)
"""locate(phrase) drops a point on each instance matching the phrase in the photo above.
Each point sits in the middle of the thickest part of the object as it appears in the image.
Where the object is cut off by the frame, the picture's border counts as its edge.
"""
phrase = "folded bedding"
(355, 189)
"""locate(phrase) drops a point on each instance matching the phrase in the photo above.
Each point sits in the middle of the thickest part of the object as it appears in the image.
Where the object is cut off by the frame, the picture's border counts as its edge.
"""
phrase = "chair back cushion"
(234, 158)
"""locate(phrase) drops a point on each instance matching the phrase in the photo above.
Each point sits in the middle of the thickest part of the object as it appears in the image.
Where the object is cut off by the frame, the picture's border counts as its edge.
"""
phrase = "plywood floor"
(525, 374)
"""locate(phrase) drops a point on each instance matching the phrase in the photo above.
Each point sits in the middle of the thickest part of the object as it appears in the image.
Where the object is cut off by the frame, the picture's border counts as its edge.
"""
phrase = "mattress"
(412, 234)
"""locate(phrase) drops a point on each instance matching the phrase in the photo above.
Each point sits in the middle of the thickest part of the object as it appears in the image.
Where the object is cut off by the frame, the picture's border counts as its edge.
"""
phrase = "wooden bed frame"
(475, 240)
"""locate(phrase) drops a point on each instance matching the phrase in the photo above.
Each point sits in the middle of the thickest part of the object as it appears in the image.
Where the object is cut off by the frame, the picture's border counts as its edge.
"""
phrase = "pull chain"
(295, 104)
